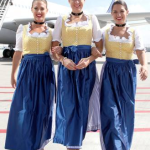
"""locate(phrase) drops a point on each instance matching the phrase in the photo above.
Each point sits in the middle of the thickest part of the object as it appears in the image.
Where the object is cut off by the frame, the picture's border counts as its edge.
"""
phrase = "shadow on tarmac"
(5, 59)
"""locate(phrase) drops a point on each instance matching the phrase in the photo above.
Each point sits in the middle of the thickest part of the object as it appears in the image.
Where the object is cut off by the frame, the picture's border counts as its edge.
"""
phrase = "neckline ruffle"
(118, 38)
(46, 32)
(80, 23)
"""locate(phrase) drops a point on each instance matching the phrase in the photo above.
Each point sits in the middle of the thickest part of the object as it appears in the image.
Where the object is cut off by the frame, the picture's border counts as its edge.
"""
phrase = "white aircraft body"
(20, 13)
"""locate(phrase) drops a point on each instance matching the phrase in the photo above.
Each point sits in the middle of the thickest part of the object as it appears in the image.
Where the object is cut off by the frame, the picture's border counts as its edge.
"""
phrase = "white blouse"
(19, 35)
(138, 39)
(97, 34)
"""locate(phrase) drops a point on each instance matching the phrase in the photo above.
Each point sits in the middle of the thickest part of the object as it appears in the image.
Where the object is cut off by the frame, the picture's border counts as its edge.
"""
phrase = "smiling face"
(76, 5)
(39, 10)
(119, 13)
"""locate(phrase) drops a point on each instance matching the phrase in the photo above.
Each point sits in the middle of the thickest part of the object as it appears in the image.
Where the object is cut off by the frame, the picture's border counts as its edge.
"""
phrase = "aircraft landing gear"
(8, 53)
(12, 53)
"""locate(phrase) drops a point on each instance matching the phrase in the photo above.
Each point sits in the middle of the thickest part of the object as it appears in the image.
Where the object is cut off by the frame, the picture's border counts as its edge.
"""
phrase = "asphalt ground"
(141, 138)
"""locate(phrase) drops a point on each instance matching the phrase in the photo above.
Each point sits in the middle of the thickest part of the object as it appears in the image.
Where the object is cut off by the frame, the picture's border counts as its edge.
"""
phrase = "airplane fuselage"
(22, 10)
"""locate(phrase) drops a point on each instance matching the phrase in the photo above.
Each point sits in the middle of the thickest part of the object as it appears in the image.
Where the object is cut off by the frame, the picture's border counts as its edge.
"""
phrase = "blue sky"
(101, 6)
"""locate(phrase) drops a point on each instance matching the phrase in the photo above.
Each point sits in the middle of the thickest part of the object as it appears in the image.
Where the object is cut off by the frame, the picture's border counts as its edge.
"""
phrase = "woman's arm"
(68, 63)
(139, 48)
(54, 51)
(16, 60)
(97, 49)
(96, 52)
(84, 62)
(17, 55)
(99, 45)
(97, 38)
(143, 61)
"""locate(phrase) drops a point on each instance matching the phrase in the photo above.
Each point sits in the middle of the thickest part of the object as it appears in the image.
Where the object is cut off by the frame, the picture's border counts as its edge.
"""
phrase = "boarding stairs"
(4, 6)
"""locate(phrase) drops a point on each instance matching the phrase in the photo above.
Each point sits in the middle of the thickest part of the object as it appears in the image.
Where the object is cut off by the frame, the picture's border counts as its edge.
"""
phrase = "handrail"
(4, 6)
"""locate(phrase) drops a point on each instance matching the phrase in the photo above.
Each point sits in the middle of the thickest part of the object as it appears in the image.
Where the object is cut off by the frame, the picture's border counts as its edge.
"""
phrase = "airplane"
(20, 13)
(134, 19)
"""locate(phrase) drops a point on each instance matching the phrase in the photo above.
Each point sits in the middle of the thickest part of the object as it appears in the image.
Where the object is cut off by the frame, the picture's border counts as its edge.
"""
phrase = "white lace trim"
(74, 147)
(79, 24)
(118, 38)
(36, 34)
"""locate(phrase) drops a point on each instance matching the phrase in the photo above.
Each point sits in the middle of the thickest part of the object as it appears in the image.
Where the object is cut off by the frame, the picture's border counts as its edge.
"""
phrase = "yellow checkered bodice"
(36, 45)
(119, 50)
(76, 35)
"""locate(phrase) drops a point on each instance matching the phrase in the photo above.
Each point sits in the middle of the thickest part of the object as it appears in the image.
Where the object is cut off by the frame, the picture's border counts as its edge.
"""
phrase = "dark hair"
(45, 1)
(121, 2)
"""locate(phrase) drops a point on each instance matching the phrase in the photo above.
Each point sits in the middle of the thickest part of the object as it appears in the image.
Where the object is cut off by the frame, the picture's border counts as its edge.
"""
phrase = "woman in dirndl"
(30, 119)
(118, 80)
(77, 76)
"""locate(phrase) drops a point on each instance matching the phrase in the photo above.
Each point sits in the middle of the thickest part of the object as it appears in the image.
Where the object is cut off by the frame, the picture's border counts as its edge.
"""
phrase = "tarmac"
(141, 138)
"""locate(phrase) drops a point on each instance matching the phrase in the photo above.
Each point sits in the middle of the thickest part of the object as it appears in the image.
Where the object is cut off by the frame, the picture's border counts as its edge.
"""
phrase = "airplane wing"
(140, 23)
(9, 28)
(13, 24)
(133, 19)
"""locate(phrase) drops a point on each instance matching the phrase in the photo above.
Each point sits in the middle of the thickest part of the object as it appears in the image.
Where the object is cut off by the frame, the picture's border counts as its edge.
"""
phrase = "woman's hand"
(143, 61)
(13, 81)
(69, 64)
(57, 50)
(95, 52)
(16, 60)
(143, 73)
(83, 63)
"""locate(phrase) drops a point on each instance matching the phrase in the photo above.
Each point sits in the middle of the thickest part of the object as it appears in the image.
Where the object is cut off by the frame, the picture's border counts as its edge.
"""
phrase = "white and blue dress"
(118, 88)
(30, 119)
(75, 88)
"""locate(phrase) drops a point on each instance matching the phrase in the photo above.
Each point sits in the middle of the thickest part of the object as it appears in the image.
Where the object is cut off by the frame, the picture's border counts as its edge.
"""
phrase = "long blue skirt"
(30, 119)
(117, 99)
(73, 95)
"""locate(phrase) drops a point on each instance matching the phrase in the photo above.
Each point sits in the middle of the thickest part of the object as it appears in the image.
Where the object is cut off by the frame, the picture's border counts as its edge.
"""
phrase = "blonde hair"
(45, 1)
